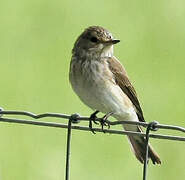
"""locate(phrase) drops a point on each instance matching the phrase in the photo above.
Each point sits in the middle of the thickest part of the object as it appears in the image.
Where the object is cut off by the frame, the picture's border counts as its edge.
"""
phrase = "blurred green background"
(36, 38)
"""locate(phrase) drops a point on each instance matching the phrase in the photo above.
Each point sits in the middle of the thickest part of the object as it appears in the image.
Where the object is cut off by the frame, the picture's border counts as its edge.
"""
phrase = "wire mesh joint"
(152, 126)
(74, 118)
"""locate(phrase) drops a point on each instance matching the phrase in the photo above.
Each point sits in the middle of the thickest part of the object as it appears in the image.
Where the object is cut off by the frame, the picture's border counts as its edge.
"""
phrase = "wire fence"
(73, 123)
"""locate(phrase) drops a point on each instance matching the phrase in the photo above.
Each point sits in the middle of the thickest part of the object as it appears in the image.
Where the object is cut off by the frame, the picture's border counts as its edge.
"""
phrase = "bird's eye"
(94, 39)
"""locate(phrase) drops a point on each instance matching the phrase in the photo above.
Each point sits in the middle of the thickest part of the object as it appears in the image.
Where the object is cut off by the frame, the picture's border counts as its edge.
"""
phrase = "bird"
(102, 83)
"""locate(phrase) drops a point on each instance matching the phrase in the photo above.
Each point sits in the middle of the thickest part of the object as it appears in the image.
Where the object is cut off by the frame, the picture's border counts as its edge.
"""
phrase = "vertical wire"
(151, 126)
(72, 119)
(146, 154)
(68, 150)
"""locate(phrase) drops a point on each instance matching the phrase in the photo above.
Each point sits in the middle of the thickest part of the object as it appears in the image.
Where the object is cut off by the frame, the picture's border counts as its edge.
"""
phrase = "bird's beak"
(110, 42)
(115, 41)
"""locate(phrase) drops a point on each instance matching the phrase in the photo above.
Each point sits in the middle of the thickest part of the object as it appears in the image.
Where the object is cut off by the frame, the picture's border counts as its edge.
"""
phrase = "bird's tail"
(138, 146)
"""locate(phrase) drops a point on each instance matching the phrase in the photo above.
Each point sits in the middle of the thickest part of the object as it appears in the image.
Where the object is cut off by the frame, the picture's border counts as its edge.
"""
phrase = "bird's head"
(96, 40)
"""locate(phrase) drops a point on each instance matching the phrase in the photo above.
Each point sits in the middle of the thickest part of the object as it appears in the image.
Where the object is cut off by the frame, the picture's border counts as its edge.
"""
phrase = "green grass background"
(36, 38)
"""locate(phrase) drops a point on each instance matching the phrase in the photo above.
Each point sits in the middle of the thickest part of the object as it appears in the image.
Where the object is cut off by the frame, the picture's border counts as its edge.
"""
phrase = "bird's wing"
(122, 80)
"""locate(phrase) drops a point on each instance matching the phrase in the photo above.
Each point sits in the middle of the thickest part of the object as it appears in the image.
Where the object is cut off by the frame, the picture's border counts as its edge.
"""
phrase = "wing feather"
(122, 80)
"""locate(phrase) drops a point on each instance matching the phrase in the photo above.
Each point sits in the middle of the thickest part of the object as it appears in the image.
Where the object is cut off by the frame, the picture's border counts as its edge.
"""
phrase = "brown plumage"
(101, 82)
(122, 80)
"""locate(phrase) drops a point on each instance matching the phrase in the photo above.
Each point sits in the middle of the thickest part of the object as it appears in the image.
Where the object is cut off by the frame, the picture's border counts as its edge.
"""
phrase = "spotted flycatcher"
(101, 82)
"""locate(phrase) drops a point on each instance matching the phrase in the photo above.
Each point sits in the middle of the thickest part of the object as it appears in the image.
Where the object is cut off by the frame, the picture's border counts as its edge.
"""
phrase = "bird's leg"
(93, 118)
(104, 122)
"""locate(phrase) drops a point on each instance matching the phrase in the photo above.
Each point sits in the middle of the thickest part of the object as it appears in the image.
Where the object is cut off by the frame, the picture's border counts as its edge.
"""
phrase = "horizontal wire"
(83, 118)
(77, 118)
(84, 128)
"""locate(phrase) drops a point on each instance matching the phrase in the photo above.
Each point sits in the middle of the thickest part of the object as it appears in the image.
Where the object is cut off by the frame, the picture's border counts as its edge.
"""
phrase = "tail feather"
(138, 146)
(139, 150)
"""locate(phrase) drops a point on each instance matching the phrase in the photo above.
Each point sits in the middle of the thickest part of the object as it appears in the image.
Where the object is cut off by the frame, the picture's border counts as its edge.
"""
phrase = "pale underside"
(95, 85)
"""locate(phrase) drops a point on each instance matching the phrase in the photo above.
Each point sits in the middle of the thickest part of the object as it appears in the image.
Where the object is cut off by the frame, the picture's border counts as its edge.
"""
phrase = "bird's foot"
(92, 119)
(104, 121)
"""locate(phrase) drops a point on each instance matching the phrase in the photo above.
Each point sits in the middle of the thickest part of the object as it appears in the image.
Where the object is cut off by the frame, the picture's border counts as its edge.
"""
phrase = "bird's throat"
(107, 52)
